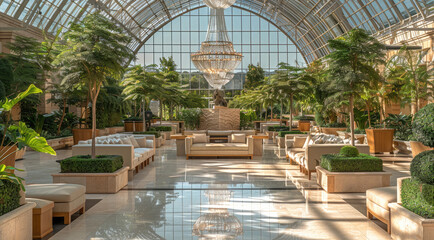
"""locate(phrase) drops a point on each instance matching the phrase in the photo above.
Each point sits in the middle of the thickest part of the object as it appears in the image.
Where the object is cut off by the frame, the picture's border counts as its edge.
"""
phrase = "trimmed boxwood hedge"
(423, 125)
(155, 133)
(85, 164)
(422, 167)
(9, 196)
(161, 128)
(349, 151)
(361, 163)
(277, 128)
(283, 133)
(418, 197)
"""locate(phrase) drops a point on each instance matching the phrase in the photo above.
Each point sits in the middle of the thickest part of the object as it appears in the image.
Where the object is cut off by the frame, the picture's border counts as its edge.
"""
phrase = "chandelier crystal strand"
(217, 58)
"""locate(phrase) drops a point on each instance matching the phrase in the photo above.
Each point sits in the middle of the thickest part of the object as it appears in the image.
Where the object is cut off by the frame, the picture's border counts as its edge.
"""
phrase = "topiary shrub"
(422, 167)
(418, 197)
(85, 164)
(9, 196)
(423, 125)
(161, 128)
(277, 128)
(360, 163)
(349, 151)
(155, 133)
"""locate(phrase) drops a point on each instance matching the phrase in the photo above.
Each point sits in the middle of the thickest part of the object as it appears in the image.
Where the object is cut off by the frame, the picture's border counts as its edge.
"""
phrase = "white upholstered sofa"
(307, 152)
(199, 146)
(136, 150)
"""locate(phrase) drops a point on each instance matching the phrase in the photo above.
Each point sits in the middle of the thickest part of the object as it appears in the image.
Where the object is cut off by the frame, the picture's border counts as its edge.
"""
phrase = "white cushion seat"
(220, 147)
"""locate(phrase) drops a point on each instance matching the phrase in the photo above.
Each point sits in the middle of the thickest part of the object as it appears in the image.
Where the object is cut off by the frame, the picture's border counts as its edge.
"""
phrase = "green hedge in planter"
(278, 128)
(161, 128)
(335, 125)
(157, 134)
(9, 196)
(423, 125)
(133, 119)
(283, 133)
(422, 167)
(85, 164)
(418, 197)
(361, 163)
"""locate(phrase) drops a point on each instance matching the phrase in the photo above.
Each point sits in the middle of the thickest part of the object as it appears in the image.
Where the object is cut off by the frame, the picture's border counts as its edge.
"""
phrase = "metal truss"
(308, 23)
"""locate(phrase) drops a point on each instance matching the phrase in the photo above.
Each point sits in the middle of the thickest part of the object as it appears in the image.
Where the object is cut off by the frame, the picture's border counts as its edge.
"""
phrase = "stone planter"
(418, 147)
(342, 182)
(17, 224)
(402, 146)
(380, 140)
(158, 142)
(59, 143)
(333, 131)
(408, 225)
(96, 182)
(166, 134)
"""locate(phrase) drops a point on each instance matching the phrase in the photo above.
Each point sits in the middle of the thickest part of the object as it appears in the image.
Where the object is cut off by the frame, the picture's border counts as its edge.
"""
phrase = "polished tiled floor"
(264, 198)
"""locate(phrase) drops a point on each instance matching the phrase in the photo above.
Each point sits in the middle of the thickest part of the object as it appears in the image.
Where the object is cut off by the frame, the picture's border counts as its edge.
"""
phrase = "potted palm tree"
(351, 67)
(95, 50)
(13, 209)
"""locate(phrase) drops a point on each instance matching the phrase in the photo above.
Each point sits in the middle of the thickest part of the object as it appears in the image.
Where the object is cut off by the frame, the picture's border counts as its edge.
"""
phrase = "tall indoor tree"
(94, 50)
(350, 66)
(255, 76)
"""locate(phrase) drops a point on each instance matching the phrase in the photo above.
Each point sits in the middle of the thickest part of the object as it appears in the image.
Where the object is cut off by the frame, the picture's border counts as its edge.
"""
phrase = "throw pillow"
(126, 141)
(238, 138)
(199, 138)
(134, 142)
(299, 142)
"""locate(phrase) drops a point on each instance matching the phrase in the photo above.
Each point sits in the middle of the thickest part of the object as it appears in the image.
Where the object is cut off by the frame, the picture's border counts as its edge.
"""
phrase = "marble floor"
(263, 198)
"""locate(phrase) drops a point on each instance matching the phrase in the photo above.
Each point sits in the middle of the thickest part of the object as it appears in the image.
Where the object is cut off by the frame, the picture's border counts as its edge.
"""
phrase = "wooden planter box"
(418, 147)
(333, 131)
(129, 126)
(17, 224)
(304, 126)
(408, 225)
(96, 182)
(81, 134)
(342, 182)
(402, 146)
(380, 140)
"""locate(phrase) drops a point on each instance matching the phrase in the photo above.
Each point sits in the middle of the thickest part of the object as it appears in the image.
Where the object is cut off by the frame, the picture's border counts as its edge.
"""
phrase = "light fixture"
(217, 58)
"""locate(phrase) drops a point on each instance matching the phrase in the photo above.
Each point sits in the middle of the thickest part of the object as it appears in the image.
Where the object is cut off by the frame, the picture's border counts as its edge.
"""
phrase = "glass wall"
(258, 40)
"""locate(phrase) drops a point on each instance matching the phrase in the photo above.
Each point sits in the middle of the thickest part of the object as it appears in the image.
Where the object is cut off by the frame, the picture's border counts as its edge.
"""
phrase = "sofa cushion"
(134, 142)
(219, 133)
(199, 138)
(238, 138)
(299, 142)
(142, 150)
(149, 144)
(56, 192)
(382, 196)
(40, 203)
(219, 147)
(126, 141)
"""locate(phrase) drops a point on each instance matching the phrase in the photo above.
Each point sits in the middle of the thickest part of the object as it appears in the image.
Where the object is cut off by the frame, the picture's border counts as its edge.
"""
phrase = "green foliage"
(361, 163)
(304, 118)
(319, 119)
(418, 197)
(246, 118)
(85, 164)
(422, 167)
(277, 128)
(283, 133)
(133, 119)
(191, 117)
(161, 128)
(9, 196)
(349, 151)
(423, 125)
(7, 104)
(254, 77)
(335, 125)
(156, 133)
(28, 137)
(357, 131)
(402, 125)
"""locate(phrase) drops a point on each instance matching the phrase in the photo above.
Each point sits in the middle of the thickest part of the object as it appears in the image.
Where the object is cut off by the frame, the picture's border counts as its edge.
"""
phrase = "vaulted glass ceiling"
(309, 23)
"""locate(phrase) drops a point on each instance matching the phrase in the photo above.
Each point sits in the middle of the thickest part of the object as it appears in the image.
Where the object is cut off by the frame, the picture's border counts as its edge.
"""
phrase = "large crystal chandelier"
(217, 58)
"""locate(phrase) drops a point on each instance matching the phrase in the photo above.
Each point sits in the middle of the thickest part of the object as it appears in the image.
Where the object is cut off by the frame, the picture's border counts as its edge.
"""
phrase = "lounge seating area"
(217, 119)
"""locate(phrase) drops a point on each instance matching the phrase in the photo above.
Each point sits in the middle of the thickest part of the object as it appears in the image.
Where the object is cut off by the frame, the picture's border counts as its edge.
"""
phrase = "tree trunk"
(352, 118)
(94, 126)
(161, 112)
(291, 98)
(369, 113)
(63, 116)
(144, 117)
(271, 117)
(281, 111)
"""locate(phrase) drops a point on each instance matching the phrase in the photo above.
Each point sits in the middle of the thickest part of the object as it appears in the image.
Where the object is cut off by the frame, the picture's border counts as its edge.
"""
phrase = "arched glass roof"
(309, 23)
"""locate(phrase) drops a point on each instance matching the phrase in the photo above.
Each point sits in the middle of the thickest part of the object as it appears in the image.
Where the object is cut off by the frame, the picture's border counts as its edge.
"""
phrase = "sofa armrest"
(250, 144)
(124, 150)
(289, 144)
(188, 143)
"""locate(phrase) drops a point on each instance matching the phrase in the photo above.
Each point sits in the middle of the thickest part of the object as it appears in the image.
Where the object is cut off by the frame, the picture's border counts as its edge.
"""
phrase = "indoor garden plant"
(345, 171)
(421, 126)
